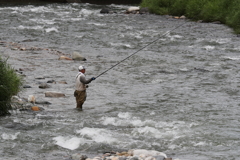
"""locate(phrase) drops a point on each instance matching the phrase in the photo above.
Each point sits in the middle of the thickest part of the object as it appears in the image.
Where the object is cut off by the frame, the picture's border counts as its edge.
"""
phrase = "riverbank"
(222, 11)
(102, 2)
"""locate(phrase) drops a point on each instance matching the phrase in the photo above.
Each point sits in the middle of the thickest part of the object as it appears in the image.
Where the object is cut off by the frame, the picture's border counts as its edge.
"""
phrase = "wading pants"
(80, 98)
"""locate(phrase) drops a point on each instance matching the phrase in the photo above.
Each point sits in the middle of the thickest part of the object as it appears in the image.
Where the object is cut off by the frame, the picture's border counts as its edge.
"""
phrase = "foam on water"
(71, 143)
(21, 27)
(97, 24)
(98, 135)
(8, 136)
(43, 21)
(174, 37)
(121, 45)
(129, 121)
(52, 29)
(85, 12)
(235, 58)
(124, 115)
(208, 47)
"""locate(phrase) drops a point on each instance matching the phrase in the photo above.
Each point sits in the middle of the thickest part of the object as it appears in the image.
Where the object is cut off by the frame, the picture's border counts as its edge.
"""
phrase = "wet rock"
(78, 156)
(27, 86)
(64, 58)
(54, 94)
(160, 158)
(137, 152)
(62, 82)
(51, 81)
(134, 158)
(122, 158)
(133, 154)
(182, 17)
(39, 77)
(122, 154)
(104, 11)
(35, 108)
(44, 85)
(143, 10)
(97, 158)
(78, 57)
(43, 102)
(16, 99)
(31, 99)
(130, 9)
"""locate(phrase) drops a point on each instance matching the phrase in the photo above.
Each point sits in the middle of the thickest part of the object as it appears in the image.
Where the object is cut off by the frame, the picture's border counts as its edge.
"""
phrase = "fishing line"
(140, 49)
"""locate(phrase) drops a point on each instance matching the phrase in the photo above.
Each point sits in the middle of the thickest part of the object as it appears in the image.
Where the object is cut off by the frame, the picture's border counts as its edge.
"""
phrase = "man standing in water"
(81, 85)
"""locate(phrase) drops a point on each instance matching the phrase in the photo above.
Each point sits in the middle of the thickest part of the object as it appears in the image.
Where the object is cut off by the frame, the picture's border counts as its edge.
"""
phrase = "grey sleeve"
(84, 80)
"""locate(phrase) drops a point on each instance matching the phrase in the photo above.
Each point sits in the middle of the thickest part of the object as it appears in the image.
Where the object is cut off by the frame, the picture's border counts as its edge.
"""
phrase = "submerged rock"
(54, 94)
(43, 102)
(27, 86)
(51, 81)
(78, 57)
(105, 11)
(78, 156)
(44, 85)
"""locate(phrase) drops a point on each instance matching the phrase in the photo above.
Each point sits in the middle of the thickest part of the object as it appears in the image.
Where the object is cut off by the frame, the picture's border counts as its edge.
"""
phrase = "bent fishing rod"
(141, 49)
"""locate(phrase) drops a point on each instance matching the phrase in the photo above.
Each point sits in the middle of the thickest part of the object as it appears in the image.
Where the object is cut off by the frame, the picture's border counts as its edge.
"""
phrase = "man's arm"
(84, 80)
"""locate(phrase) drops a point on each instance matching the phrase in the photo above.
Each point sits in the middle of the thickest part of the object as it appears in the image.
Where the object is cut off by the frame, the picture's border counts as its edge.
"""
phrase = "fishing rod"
(140, 49)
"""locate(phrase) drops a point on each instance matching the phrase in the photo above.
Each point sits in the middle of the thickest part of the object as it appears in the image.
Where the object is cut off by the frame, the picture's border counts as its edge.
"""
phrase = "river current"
(178, 95)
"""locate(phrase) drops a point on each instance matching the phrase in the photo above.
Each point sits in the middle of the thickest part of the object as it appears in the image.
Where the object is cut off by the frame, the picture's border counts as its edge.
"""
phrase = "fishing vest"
(79, 85)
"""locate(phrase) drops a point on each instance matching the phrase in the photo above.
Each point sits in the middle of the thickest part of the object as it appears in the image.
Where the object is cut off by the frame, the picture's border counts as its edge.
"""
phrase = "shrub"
(194, 9)
(225, 11)
(160, 7)
(10, 84)
(178, 7)
(215, 10)
(233, 16)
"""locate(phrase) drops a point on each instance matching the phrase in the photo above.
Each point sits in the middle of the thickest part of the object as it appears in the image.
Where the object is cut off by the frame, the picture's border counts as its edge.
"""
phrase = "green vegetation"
(224, 11)
(10, 84)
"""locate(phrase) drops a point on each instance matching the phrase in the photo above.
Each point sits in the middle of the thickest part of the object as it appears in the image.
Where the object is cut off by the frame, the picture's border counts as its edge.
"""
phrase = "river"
(178, 95)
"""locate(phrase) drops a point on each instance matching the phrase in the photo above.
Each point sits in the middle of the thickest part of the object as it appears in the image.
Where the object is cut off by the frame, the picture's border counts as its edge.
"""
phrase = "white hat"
(81, 68)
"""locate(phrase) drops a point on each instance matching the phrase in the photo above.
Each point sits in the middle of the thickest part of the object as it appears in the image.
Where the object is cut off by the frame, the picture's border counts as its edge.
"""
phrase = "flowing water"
(179, 95)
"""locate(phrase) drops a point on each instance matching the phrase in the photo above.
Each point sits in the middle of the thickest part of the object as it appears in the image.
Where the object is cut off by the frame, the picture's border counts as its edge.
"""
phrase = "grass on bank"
(10, 84)
(225, 11)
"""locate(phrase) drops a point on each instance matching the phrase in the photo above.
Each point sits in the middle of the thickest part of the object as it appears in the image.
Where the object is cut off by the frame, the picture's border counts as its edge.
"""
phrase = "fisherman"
(81, 85)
